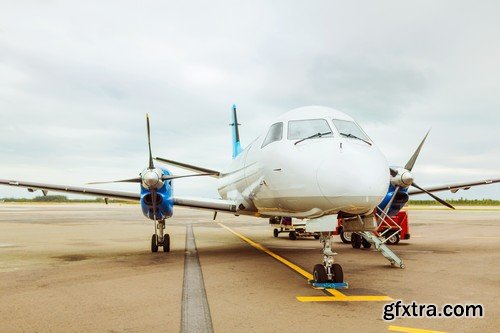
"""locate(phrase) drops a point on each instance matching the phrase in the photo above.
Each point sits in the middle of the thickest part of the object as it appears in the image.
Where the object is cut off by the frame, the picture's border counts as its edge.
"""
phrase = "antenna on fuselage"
(236, 133)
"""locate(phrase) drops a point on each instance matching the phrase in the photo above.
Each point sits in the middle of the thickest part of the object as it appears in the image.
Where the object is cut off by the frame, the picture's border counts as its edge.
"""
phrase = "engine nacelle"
(164, 203)
(398, 203)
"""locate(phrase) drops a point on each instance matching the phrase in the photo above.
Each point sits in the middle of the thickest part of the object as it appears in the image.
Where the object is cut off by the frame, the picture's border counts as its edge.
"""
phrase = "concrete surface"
(88, 267)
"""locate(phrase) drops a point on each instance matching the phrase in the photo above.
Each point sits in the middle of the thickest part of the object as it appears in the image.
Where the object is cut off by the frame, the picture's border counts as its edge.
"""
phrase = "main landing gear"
(328, 271)
(159, 239)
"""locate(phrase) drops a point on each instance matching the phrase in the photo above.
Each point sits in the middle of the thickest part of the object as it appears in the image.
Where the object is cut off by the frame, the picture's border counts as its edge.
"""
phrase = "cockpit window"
(275, 133)
(300, 129)
(350, 128)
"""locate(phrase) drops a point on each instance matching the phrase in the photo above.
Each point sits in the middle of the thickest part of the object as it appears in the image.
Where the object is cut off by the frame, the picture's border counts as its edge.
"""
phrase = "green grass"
(64, 199)
(60, 199)
(457, 202)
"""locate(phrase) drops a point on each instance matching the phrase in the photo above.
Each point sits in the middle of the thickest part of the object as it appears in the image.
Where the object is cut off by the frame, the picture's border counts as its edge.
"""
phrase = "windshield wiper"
(317, 135)
(355, 137)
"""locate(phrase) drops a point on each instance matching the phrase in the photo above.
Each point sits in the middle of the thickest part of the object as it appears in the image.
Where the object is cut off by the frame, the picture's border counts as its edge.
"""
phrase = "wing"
(31, 186)
(208, 204)
(197, 203)
(189, 167)
(455, 187)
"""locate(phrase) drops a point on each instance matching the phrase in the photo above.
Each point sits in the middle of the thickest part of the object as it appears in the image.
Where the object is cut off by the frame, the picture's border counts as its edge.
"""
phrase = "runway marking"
(337, 296)
(195, 310)
(410, 330)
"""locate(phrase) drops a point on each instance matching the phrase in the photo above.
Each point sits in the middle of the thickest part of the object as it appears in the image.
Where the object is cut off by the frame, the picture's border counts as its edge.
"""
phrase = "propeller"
(151, 164)
(403, 178)
(152, 178)
(411, 162)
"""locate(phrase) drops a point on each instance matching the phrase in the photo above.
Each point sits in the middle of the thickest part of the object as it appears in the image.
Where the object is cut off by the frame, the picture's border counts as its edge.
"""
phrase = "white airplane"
(313, 163)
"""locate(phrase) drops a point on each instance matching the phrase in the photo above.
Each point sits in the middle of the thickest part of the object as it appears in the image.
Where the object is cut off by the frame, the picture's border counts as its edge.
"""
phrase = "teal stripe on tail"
(236, 134)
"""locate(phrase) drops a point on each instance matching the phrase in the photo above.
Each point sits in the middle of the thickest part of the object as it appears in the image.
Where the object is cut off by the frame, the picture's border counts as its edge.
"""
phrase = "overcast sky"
(76, 79)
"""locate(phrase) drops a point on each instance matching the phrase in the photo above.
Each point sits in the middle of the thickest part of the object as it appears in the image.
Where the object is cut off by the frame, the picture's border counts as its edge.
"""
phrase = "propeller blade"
(409, 165)
(169, 177)
(441, 201)
(151, 164)
(131, 180)
(393, 172)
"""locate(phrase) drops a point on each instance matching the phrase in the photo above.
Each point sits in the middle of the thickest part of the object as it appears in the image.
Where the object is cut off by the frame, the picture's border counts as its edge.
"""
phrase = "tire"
(393, 239)
(154, 243)
(338, 273)
(345, 236)
(166, 243)
(319, 274)
(366, 244)
(355, 240)
(276, 232)
(292, 235)
(316, 236)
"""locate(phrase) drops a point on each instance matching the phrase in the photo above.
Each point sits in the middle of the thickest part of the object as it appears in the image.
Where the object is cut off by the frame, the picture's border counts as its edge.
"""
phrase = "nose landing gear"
(328, 271)
(159, 239)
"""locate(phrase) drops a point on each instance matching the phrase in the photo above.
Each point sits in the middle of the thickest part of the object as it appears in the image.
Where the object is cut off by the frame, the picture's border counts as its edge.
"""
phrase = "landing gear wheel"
(154, 243)
(393, 239)
(319, 274)
(316, 236)
(356, 240)
(345, 236)
(338, 273)
(366, 244)
(276, 232)
(166, 243)
(292, 235)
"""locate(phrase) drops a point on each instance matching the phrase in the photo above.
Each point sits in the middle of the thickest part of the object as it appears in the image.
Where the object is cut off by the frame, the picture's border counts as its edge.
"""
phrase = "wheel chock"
(328, 285)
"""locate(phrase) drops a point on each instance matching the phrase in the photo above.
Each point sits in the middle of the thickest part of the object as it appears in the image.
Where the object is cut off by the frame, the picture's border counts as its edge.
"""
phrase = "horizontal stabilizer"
(213, 173)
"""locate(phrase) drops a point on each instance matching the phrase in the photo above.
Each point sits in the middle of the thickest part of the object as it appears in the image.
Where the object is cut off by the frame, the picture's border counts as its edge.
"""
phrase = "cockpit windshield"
(350, 129)
(300, 129)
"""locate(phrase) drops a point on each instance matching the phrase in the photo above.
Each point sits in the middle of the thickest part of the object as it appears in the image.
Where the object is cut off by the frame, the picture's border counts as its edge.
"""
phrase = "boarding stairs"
(390, 228)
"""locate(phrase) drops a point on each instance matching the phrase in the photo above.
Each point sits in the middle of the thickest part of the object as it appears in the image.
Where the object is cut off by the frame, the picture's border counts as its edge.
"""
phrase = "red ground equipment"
(394, 229)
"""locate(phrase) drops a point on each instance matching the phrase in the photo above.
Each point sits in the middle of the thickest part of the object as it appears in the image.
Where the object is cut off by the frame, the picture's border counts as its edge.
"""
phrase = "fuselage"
(340, 170)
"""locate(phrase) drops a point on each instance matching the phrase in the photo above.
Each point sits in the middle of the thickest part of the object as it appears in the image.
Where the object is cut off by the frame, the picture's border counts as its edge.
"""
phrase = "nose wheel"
(321, 273)
(328, 271)
(158, 239)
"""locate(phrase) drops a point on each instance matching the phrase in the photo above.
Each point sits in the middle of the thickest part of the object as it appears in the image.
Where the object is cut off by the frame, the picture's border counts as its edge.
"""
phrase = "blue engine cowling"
(399, 201)
(164, 201)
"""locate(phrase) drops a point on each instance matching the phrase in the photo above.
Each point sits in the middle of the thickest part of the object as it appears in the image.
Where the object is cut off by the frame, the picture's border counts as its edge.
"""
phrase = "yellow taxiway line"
(410, 330)
(337, 296)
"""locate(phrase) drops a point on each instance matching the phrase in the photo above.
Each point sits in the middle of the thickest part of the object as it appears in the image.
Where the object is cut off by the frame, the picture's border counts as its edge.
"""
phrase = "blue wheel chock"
(328, 285)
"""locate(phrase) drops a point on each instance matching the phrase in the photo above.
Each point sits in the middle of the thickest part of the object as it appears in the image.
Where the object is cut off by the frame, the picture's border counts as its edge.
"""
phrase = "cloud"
(76, 80)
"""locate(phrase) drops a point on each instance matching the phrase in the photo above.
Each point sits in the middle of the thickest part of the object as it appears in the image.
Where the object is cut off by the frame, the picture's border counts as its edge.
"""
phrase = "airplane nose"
(355, 180)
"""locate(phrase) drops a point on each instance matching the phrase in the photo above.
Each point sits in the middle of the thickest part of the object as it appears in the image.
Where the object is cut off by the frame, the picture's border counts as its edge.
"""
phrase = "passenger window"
(300, 129)
(275, 133)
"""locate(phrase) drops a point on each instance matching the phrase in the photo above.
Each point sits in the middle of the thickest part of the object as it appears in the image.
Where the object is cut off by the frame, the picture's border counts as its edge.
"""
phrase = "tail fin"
(236, 134)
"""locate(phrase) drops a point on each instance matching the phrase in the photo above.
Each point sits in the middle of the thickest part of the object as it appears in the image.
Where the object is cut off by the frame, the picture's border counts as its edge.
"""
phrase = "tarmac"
(88, 268)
